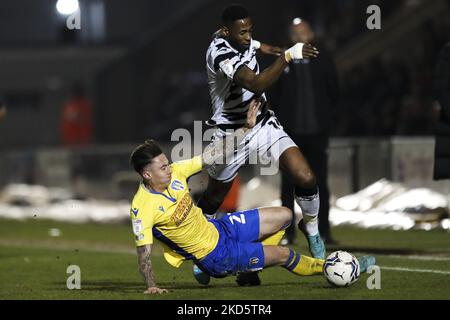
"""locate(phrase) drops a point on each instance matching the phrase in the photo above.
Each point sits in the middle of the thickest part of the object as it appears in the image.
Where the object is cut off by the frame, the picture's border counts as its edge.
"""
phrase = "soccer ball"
(341, 269)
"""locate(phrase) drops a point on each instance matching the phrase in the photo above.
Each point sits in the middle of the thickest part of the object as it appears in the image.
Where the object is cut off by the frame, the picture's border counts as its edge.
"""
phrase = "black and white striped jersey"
(229, 101)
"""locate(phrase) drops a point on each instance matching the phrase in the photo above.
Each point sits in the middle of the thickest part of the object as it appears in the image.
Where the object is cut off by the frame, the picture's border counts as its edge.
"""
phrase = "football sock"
(310, 209)
(303, 265)
(274, 239)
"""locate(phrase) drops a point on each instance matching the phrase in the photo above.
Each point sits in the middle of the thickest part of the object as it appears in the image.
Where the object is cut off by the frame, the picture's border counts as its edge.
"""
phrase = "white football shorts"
(263, 145)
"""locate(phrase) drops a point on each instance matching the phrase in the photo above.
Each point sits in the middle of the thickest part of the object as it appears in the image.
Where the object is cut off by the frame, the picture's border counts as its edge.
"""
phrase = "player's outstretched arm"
(258, 83)
(270, 50)
(145, 269)
(224, 148)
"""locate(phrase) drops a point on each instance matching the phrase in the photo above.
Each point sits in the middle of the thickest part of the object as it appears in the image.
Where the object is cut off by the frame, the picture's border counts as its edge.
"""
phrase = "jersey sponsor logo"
(135, 211)
(177, 185)
(182, 210)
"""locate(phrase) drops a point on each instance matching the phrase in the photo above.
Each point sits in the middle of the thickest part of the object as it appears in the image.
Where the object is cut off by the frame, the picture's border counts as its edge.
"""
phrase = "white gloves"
(294, 52)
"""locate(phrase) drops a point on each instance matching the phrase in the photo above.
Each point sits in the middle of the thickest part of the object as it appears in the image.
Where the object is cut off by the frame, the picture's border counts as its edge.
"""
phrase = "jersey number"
(240, 219)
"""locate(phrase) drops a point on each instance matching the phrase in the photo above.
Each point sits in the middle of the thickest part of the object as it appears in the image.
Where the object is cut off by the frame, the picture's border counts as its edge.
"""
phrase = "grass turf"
(33, 265)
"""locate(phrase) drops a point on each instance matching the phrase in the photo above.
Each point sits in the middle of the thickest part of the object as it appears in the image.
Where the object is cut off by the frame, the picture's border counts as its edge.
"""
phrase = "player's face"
(240, 33)
(159, 171)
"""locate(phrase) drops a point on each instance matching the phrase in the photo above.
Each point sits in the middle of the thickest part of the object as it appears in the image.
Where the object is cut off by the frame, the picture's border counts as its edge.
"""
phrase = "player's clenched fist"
(154, 290)
(300, 51)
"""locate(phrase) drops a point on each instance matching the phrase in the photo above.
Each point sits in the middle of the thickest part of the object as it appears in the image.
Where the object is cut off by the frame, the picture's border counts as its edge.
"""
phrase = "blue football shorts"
(238, 248)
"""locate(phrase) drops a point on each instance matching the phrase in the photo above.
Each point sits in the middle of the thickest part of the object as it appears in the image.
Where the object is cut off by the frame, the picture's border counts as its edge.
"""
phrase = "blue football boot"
(200, 276)
(365, 262)
(315, 243)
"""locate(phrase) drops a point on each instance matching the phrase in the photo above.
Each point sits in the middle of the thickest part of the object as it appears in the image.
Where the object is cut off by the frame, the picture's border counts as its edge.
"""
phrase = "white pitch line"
(415, 270)
(416, 257)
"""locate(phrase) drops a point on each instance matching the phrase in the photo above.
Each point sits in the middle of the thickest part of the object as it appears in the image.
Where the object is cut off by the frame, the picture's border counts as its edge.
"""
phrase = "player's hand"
(271, 50)
(308, 51)
(154, 290)
(255, 104)
(300, 51)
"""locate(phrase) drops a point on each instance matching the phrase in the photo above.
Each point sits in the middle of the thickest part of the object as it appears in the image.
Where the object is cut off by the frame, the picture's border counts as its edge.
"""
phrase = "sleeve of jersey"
(228, 63)
(189, 167)
(142, 227)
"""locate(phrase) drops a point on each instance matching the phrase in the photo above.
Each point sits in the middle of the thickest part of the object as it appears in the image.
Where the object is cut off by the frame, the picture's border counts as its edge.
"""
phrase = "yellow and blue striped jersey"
(173, 218)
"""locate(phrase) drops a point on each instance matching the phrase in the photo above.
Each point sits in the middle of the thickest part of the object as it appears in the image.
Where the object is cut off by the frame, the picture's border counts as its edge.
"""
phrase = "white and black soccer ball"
(341, 269)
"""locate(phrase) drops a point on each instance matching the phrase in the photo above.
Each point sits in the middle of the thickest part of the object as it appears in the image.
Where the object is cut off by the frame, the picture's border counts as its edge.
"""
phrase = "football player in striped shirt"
(234, 79)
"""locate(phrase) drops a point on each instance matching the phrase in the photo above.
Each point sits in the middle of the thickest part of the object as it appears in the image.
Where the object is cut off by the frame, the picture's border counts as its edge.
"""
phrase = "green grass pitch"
(33, 265)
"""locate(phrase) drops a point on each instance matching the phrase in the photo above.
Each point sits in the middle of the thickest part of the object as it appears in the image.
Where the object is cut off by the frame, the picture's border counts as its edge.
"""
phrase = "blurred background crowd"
(142, 65)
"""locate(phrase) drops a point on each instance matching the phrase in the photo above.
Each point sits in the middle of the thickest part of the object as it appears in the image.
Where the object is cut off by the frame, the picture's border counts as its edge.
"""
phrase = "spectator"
(308, 90)
(76, 120)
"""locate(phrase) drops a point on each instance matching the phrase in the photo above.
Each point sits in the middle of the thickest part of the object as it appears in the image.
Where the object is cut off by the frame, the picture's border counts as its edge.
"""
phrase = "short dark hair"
(234, 12)
(144, 154)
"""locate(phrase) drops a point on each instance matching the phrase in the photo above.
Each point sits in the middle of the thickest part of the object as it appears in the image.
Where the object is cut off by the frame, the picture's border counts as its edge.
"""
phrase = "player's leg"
(287, 200)
(303, 265)
(273, 225)
(318, 156)
(257, 225)
(275, 142)
(272, 220)
(252, 256)
(252, 226)
(213, 196)
(306, 194)
(292, 261)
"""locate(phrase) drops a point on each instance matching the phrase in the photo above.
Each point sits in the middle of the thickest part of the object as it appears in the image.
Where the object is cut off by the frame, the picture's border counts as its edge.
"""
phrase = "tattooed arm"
(225, 147)
(145, 269)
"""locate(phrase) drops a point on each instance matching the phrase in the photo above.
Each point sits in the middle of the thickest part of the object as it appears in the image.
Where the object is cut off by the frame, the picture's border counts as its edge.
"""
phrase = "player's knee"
(305, 179)
(285, 216)
(275, 255)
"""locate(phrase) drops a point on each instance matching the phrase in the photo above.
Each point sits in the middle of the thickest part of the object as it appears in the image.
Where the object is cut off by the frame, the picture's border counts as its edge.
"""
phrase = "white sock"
(310, 210)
